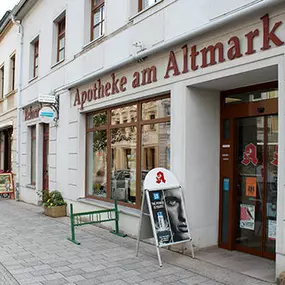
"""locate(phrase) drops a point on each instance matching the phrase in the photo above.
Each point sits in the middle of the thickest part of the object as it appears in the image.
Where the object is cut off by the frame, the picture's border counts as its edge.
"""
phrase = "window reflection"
(97, 120)
(251, 96)
(124, 159)
(156, 109)
(123, 115)
(97, 163)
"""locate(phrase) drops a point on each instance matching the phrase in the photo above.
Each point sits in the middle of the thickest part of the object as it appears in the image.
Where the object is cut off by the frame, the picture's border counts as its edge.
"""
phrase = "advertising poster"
(167, 209)
(250, 186)
(247, 216)
(6, 183)
(272, 230)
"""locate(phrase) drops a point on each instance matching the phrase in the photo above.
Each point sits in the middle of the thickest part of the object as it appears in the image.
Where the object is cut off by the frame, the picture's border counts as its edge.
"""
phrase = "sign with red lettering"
(250, 155)
(192, 59)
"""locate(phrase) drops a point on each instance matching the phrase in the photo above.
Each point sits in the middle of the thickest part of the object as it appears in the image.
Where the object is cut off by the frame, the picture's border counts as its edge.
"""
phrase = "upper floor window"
(12, 72)
(143, 4)
(36, 58)
(97, 19)
(61, 40)
(2, 82)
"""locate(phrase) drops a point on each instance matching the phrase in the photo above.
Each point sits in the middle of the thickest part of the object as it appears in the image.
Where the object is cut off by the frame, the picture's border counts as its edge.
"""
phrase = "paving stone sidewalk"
(34, 251)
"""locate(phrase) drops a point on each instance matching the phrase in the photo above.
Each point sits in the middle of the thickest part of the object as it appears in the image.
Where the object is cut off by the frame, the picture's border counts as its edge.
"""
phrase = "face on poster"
(169, 216)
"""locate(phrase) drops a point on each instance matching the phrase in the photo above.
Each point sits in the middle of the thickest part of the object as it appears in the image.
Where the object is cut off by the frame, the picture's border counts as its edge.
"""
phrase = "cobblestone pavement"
(34, 251)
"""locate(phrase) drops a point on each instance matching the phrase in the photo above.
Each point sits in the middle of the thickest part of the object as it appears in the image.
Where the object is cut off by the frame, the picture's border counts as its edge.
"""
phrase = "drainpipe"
(19, 103)
(211, 25)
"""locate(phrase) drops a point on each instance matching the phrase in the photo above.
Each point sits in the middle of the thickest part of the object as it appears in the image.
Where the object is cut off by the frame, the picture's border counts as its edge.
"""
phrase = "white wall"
(202, 164)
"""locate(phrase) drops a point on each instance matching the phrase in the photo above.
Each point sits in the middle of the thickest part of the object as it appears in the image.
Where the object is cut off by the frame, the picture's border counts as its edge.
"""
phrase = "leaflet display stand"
(163, 215)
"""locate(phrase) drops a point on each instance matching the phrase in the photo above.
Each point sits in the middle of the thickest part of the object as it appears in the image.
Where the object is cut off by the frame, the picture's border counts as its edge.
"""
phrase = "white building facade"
(193, 87)
(8, 94)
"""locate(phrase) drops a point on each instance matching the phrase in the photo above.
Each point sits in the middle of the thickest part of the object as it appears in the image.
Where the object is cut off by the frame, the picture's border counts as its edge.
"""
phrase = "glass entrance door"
(256, 184)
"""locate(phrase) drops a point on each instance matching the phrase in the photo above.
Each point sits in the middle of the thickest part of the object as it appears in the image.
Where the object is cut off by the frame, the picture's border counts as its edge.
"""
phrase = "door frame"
(45, 156)
(232, 112)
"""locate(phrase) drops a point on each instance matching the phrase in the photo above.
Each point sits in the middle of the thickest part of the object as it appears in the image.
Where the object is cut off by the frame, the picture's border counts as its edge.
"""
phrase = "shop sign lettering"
(209, 55)
(250, 155)
(31, 113)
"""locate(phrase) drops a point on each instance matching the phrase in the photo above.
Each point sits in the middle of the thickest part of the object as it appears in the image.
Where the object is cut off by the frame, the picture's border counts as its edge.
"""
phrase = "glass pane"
(226, 129)
(36, 71)
(61, 43)
(97, 120)
(250, 166)
(147, 3)
(251, 96)
(61, 55)
(97, 32)
(271, 176)
(62, 26)
(124, 164)
(97, 163)
(97, 17)
(155, 148)
(156, 109)
(123, 115)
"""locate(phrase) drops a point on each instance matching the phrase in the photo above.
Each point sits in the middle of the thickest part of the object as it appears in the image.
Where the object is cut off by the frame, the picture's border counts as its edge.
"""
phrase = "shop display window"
(123, 144)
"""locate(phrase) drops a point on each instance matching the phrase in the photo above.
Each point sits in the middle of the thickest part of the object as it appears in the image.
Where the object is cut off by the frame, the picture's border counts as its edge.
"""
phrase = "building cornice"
(22, 8)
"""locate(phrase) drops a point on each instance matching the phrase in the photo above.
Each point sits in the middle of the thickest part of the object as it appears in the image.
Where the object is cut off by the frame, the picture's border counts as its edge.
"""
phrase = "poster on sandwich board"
(163, 208)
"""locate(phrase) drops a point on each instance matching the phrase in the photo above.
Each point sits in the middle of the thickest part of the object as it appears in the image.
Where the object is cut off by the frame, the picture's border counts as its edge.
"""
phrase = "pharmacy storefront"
(209, 110)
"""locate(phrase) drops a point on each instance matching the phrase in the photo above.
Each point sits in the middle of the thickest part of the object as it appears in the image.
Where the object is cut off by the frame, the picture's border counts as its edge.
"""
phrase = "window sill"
(57, 63)
(108, 205)
(32, 79)
(144, 10)
(31, 186)
(12, 92)
(90, 44)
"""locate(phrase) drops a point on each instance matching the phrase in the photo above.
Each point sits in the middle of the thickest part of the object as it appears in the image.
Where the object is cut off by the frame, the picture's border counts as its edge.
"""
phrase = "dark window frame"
(94, 9)
(13, 71)
(61, 30)
(36, 58)
(33, 140)
(140, 5)
(138, 123)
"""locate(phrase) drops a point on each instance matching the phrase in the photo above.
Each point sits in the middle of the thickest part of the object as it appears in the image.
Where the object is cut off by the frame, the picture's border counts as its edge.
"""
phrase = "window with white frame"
(144, 4)
(34, 58)
(59, 38)
(97, 19)
(12, 72)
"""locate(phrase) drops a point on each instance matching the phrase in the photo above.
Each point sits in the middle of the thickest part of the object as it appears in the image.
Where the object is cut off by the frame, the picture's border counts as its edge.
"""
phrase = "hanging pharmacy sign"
(46, 115)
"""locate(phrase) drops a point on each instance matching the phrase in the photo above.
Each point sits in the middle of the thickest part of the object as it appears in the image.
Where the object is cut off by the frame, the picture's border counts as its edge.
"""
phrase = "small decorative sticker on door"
(250, 155)
(250, 186)
(247, 216)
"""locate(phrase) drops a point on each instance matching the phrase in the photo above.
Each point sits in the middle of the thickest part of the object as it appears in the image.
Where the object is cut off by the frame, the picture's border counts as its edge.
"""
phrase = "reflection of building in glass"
(156, 136)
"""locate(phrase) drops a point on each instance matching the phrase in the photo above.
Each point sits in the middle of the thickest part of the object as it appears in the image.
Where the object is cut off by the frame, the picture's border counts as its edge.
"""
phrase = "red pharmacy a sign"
(250, 155)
